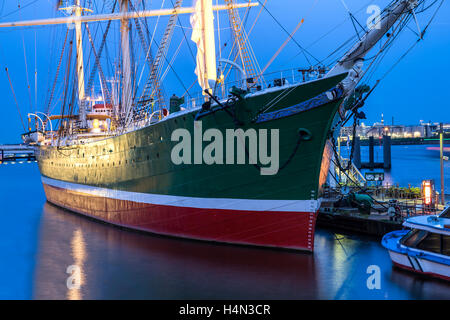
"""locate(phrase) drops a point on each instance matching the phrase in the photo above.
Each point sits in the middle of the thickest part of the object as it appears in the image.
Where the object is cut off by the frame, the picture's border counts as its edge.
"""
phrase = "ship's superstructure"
(242, 163)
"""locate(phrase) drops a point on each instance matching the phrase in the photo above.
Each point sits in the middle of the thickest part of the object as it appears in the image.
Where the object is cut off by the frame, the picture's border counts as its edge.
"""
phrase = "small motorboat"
(425, 247)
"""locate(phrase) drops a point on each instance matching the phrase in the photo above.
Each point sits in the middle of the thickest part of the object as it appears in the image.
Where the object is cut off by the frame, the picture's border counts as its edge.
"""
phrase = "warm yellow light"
(427, 192)
(79, 254)
(95, 124)
(416, 134)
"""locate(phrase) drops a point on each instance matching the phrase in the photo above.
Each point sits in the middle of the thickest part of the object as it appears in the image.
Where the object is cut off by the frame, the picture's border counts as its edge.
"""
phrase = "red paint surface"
(102, 106)
(291, 230)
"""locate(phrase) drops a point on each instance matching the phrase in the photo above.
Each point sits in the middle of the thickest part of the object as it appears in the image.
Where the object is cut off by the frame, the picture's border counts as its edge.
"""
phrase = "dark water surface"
(411, 165)
(39, 241)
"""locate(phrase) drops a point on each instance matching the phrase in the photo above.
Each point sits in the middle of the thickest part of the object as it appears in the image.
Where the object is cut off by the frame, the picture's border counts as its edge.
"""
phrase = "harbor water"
(411, 164)
(39, 243)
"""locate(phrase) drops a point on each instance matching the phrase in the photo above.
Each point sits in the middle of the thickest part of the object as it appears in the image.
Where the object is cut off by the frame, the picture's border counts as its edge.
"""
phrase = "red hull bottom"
(289, 230)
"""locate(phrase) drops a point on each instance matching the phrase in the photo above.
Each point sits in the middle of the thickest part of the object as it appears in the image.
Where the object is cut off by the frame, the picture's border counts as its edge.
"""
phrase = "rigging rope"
(57, 72)
(100, 50)
(417, 41)
(100, 71)
(26, 72)
(353, 19)
(163, 76)
(256, 19)
(15, 99)
(185, 37)
(304, 51)
(282, 46)
(35, 71)
(17, 10)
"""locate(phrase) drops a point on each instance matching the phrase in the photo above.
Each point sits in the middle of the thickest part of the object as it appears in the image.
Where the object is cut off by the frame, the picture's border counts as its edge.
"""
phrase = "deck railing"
(269, 80)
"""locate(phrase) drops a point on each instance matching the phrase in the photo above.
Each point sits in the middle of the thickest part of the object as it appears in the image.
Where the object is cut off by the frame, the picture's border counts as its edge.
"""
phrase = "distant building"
(378, 130)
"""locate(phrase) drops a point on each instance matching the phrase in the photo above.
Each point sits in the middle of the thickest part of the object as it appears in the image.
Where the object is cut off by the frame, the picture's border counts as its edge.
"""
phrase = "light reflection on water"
(77, 277)
(121, 264)
(39, 241)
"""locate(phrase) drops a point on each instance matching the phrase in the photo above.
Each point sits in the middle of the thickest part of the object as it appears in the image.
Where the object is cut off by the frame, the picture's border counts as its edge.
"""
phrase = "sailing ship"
(111, 157)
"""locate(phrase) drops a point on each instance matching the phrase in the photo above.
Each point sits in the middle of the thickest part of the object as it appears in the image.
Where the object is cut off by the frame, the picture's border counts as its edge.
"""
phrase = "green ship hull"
(131, 179)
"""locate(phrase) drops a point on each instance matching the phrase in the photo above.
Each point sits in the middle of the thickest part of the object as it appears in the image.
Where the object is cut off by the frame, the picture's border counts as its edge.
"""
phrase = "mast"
(203, 12)
(126, 61)
(80, 66)
(202, 22)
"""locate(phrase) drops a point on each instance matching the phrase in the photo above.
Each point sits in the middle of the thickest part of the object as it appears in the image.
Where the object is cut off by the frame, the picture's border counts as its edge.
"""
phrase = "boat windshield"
(427, 241)
(413, 238)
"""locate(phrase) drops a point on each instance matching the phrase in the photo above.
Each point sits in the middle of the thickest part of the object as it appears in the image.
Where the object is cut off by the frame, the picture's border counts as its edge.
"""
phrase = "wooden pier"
(378, 222)
(16, 153)
(351, 220)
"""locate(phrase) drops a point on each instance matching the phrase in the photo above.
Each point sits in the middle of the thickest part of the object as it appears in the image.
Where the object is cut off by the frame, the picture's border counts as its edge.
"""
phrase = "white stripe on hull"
(420, 265)
(433, 267)
(400, 259)
(191, 202)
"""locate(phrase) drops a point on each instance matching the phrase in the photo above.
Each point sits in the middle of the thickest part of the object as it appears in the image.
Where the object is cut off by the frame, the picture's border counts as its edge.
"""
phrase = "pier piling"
(357, 152)
(371, 153)
(441, 143)
(387, 152)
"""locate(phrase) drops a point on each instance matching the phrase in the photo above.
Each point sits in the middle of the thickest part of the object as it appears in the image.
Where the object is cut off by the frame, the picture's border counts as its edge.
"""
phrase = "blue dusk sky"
(416, 89)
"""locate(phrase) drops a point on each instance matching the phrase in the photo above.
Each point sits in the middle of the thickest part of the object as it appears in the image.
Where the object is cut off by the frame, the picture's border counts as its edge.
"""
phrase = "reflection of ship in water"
(118, 264)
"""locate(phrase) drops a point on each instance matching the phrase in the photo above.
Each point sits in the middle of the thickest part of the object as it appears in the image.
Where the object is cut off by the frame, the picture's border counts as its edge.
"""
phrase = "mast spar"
(118, 16)
(126, 64)
(80, 66)
(77, 10)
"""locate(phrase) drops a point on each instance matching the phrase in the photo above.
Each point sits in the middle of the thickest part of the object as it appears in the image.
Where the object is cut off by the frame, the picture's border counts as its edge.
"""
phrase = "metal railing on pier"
(16, 153)
(350, 177)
